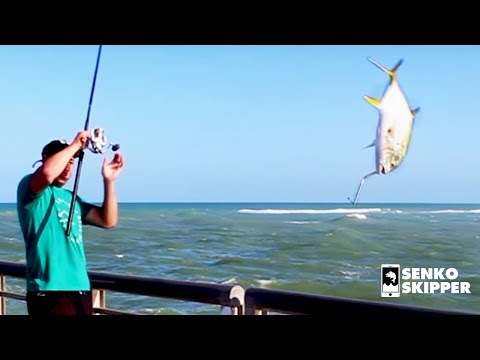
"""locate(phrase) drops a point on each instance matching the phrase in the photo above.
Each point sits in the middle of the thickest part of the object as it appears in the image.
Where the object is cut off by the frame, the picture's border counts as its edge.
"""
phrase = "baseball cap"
(54, 147)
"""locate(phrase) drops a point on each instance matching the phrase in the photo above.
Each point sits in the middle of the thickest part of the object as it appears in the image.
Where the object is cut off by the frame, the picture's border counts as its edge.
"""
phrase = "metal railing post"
(3, 300)
(236, 302)
(98, 299)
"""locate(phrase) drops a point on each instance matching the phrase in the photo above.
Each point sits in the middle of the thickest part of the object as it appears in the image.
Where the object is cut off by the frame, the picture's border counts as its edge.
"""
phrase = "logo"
(420, 281)
(390, 280)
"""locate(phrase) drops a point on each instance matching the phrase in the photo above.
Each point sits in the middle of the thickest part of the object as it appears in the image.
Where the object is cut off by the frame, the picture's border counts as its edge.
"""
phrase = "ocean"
(327, 249)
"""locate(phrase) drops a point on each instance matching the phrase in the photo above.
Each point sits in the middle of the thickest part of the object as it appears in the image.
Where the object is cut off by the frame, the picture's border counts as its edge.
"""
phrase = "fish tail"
(391, 73)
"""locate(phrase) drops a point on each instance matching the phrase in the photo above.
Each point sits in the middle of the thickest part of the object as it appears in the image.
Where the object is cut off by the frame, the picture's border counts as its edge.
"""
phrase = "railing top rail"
(303, 303)
(11, 268)
(203, 292)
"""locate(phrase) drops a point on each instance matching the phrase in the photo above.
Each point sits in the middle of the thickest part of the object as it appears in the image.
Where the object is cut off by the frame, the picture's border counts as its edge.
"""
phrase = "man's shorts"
(59, 303)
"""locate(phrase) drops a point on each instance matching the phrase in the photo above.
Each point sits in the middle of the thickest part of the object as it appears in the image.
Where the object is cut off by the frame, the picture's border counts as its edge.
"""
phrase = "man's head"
(51, 149)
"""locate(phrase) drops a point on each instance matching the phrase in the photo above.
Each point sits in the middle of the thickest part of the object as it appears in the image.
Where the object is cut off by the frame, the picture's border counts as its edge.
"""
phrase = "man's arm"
(56, 164)
(106, 216)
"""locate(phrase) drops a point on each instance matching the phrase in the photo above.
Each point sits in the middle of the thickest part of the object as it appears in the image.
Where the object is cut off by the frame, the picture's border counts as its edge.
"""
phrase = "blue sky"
(245, 123)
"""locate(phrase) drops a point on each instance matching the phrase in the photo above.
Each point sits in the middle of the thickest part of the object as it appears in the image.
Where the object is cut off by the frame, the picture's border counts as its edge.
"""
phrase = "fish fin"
(374, 102)
(371, 145)
(391, 72)
(415, 111)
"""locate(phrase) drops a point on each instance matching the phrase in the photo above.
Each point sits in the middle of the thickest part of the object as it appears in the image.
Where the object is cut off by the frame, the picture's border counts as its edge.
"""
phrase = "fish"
(392, 276)
(394, 128)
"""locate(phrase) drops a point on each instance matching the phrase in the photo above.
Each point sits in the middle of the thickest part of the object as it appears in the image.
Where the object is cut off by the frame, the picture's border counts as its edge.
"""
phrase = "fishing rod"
(98, 144)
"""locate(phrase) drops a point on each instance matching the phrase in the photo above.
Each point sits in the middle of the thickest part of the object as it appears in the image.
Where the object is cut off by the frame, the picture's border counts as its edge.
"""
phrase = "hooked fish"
(394, 129)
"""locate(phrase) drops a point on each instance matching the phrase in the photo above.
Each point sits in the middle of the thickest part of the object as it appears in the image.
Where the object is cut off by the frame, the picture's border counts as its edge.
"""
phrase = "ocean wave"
(302, 222)
(265, 283)
(358, 216)
(307, 211)
(230, 281)
(160, 311)
(350, 274)
(451, 211)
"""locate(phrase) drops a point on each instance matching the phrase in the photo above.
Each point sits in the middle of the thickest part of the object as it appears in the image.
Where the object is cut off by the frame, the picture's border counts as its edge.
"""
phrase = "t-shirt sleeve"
(23, 190)
(24, 194)
(85, 208)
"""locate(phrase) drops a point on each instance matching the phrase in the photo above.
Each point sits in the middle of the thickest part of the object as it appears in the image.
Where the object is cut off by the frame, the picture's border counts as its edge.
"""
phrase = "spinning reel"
(98, 143)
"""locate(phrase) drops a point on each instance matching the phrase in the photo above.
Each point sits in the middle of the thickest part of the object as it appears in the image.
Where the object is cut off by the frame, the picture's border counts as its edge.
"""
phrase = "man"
(57, 278)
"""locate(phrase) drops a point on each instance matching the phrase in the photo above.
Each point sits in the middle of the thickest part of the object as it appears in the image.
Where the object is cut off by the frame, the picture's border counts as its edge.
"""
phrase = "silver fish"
(394, 129)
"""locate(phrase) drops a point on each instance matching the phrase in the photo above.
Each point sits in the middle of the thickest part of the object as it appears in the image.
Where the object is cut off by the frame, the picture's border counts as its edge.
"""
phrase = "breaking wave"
(308, 211)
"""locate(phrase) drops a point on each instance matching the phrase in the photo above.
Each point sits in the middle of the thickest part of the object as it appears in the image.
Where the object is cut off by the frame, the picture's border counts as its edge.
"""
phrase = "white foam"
(159, 311)
(119, 255)
(265, 282)
(452, 211)
(302, 222)
(229, 281)
(307, 211)
(350, 274)
(358, 216)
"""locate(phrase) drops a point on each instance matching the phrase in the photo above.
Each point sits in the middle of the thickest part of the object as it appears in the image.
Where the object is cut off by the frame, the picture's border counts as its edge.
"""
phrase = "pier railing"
(259, 301)
(229, 297)
(232, 299)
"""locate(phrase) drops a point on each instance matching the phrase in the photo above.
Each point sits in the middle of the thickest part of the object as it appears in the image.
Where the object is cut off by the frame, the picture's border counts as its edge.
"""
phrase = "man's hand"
(110, 170)
(81, 140)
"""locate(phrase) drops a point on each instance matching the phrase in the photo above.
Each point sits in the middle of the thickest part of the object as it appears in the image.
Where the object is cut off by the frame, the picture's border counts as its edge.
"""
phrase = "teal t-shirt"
(54, 262)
